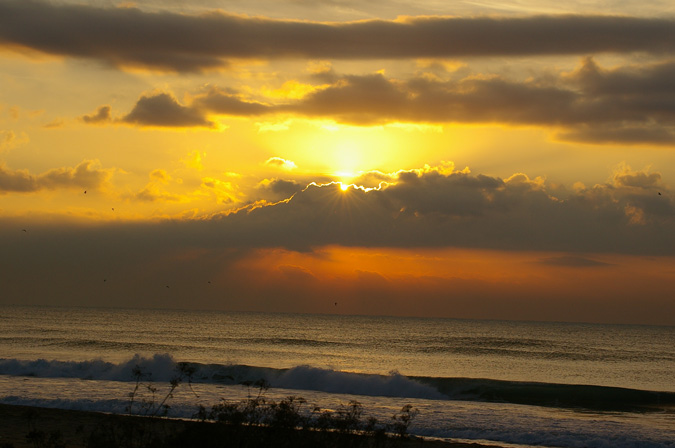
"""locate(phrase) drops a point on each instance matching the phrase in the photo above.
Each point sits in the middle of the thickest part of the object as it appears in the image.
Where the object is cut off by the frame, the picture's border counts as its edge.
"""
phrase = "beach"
(75, 429)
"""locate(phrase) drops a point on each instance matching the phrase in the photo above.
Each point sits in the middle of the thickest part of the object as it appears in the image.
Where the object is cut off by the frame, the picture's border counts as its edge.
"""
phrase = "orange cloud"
(461, 283)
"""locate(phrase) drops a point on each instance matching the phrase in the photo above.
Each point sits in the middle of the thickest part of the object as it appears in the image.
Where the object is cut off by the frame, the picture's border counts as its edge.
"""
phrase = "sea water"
(522, 383)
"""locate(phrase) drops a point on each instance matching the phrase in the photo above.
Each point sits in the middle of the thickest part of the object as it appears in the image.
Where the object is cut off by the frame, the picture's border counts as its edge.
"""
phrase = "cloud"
(572, 261)
(17, 181)
(632, 213)
(153, 193)
(278, 189)
(155, 189)
(616, 134)
(85, 175)
(194, 160)
(278, 162)
(124, 37)
(297, 274)
(371, 250)
(55, 124)
(225, 192)
(624, 105)
(373, 179)
(10, 139)
(624, 176)
(222, 102)
(436, 208)
(101, 115)
(163, 110)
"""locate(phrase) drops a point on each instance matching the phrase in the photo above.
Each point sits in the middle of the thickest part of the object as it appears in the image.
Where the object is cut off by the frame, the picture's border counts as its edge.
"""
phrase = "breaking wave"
(162, 368)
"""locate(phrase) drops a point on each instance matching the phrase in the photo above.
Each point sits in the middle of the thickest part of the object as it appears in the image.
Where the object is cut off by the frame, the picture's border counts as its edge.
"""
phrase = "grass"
(253, 422)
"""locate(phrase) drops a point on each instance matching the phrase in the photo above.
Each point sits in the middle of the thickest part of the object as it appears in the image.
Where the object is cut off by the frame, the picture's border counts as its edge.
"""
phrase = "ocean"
(533, 384)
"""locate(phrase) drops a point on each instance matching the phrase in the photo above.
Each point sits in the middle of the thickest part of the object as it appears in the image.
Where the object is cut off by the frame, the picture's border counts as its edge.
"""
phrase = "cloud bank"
(125, 37)
(626, 104)
(85, 175)
(294, 255)
(433, 208)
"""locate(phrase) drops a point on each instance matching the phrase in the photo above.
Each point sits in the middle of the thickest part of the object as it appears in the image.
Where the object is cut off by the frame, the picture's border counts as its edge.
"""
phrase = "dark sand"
(74, 429)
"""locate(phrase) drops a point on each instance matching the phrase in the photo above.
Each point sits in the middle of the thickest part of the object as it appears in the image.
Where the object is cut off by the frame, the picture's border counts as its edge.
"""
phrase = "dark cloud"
(627, 112)
(618, 134)
(17, 181)
(280, 188)
(373, 179)
(639, 179)
(429, 208)
(84, 175)
(162, 109)
(226, 103)
(368, 99)
(101, 115)
(65, 263)
(626, 105)
(572, 261)
(167, 41)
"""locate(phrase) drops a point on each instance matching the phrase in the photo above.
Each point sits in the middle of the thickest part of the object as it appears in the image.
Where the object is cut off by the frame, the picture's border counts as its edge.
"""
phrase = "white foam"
(393, 385)
(162, 367)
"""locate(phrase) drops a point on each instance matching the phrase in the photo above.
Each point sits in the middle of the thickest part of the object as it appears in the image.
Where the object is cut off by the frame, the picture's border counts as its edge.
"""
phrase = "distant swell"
(601, 398)
(162, 368)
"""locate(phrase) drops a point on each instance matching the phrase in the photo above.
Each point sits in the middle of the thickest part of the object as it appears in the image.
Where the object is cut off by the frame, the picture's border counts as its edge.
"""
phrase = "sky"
(460, 159)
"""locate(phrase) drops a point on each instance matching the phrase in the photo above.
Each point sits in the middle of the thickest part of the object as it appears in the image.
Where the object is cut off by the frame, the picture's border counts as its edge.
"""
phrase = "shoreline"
(76, 428)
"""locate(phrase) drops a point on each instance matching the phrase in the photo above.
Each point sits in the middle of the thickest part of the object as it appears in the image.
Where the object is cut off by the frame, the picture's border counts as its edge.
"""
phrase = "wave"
(599, 398)
(158, 347)
(531, 348)
(163, 368)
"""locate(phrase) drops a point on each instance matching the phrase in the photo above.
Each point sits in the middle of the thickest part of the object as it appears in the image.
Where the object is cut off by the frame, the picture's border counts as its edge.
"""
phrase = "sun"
(344, 186)
(348, 158)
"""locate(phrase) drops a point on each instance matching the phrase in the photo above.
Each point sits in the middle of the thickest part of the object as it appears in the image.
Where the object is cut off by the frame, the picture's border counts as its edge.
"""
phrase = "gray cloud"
(16, 181)
(280, 188)
(615, 133)
(101, 115)
(432, 209)
(84, 175)
(174, 42)
(212, 261)
(625, 105)
(633, 108)
(229, 103)
(572, 261)
(162, 109)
